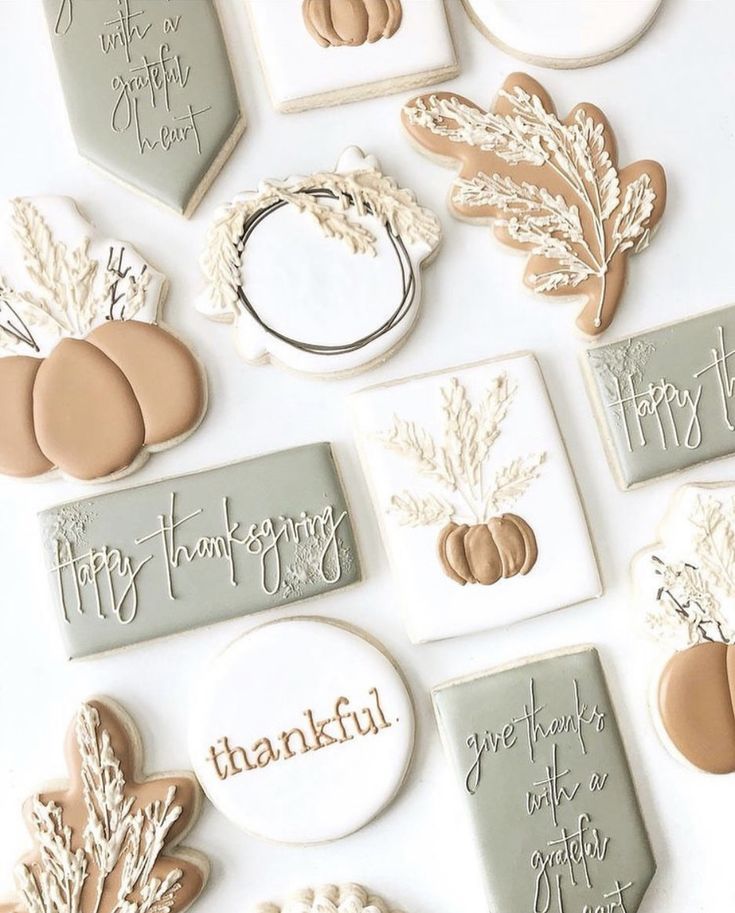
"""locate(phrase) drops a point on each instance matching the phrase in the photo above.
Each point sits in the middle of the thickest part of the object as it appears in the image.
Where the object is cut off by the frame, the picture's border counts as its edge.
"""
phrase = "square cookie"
(476, 499)
(665, 399)
(316, 53)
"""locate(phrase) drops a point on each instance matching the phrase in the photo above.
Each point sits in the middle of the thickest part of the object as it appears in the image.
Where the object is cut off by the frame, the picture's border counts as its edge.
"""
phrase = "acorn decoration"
(490, 545)
(98, 385)
(349, 23)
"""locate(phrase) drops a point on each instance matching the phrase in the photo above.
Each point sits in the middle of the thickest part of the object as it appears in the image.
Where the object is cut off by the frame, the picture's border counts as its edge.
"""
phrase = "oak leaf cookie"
(108, 840)
(149, 92)
(563, 34)
(90, 381)
(330, 898)
(320, 273)
(551, 187)
(684, 586)
(302, 731)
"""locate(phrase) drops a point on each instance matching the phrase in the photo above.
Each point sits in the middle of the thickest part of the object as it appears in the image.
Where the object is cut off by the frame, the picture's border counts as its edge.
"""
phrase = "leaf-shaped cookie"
(552, 187)
(102, 842)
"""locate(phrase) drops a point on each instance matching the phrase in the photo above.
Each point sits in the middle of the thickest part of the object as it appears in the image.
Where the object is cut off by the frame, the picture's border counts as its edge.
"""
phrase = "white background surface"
(672, 98)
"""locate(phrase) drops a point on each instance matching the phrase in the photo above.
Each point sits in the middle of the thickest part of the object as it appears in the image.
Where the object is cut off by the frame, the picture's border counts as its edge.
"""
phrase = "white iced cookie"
(302, 731)
(320, 273)
(564, 33)
(329, 898)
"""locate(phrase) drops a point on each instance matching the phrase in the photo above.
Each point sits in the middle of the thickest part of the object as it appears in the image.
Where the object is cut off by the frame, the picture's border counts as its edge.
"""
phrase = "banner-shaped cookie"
(476, 498)
(149, 92)
(665, 399)
(539, 761)
(184, 552)
(551, 187)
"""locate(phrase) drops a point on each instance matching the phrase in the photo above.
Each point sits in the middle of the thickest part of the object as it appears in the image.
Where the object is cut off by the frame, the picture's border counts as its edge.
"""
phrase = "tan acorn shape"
(107, 840)
(491, 546)
(88, 379)
(339, 23)
(696, 702)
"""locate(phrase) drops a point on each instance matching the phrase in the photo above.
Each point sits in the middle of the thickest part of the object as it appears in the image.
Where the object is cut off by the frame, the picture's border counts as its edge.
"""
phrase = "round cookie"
(564, 34)
(302, 731)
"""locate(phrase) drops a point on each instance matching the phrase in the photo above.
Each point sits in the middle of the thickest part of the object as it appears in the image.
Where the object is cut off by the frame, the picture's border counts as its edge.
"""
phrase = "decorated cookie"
(146, 562)
(477, 502)
(321, 274)
(541, 766)
(329, 898)
(565, 33)
(551, 188)
(325, 52)
(302, 731)
(684, 587)
(90, 381)
(665, 399)
(149, 92)
(107, 841)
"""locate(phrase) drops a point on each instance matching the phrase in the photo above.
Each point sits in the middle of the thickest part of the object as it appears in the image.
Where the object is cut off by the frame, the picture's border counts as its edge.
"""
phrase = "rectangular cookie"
(539, 760)
(477, 502)
(664, 398)
(169, 556)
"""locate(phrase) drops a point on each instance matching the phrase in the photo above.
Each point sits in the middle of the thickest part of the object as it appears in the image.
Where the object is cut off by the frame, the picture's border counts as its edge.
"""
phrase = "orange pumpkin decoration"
(696, 699)
(485, 553)
(93, 404)
(339, 23)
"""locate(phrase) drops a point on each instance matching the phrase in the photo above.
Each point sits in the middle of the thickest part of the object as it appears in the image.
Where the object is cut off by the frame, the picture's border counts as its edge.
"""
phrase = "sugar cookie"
(329, 898)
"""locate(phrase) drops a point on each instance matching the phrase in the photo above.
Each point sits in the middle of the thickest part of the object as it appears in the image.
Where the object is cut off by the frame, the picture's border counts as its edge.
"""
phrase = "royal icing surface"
(477, 501)
(302, 731)
(541, 766)
(325, 52)
(551, 187)
(322, 273)
(330, 898)
(106, 840)
(173, 555)
(91, 383)
(664, 398)
(684, 586)
(565, 33)
(149, 91)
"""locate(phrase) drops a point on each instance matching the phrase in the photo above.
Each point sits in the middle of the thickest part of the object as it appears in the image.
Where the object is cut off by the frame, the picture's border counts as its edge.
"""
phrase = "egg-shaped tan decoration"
(340, 23)
(487, 552)
(20, 454)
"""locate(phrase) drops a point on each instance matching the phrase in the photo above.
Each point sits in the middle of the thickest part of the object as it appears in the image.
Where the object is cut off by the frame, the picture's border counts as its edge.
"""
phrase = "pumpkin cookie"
(315, 53)
(684, 586)
(90, 381)
(328, 898)
(477, 501)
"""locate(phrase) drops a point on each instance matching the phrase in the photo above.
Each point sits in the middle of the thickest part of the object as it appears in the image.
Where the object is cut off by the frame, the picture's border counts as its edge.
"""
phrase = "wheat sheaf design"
(551, 187)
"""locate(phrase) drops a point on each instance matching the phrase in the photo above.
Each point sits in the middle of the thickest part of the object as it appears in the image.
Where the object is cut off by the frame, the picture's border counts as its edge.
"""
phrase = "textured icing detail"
(340, 23)
(158, 559)
(322, 751)
(164, 375)
(684, 587)
(329, 294)
(20, 454)
(551, 187)
(326, 52)
(88, 421)
(566, 33)
(536, 753)
(149, 91)
(106, 841)
(664, 398)
(330, 898)
(477, 502)
(62, 287)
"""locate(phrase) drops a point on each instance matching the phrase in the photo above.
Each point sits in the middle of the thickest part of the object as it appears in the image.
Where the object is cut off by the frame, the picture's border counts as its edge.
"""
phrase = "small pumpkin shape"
(696, 701)
(487, 552)
(339, 23)
(20, 454)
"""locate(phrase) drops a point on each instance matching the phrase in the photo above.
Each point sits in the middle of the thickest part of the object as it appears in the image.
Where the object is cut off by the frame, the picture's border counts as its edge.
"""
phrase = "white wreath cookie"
(321, 273)
(330, 898)
(90, 382)
(566, 33)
